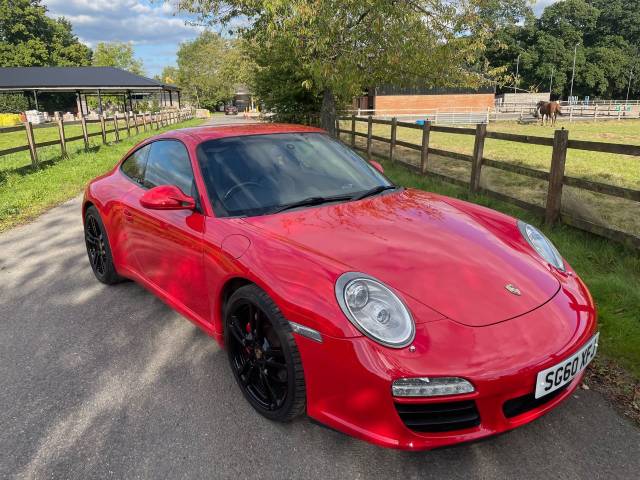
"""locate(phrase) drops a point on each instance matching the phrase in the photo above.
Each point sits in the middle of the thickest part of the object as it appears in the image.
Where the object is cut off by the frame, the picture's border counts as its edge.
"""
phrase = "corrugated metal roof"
(27, 78)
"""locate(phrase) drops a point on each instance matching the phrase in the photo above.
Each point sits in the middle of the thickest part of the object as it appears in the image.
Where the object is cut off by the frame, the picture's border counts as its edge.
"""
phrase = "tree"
(168, 75)
(211, 68)
(29, 38)
(338, 47)
(117, 54)
(608, 47)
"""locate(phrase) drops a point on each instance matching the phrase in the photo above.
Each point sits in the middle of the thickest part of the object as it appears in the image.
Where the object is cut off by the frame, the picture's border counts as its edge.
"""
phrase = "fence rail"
(108, 125)
(594, 110)
(555, 177)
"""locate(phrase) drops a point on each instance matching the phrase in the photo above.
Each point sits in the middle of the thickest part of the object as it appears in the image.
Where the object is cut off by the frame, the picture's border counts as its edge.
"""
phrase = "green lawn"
(25, 193)
(607, 168)
(14, 139)
(611, 271)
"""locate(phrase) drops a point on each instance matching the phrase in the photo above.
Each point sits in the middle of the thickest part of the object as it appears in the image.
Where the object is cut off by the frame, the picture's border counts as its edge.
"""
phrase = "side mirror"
(376, 165)
(167, 197)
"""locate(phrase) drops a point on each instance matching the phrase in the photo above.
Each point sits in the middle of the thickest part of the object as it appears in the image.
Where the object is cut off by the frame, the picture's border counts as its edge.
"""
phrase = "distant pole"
(99, 102)
(629, 87)
(515, 82)
(573, 72)
(35, 97)
(551, 81)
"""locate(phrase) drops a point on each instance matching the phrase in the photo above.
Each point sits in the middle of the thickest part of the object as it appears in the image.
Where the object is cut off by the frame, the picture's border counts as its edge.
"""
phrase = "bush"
(13, 103)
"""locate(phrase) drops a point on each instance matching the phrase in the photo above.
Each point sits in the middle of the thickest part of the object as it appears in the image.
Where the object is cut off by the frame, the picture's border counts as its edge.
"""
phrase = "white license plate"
(562, 373)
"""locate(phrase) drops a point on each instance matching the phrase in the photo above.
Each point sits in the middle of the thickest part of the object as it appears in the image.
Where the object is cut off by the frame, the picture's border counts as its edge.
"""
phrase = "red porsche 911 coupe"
(401, 317)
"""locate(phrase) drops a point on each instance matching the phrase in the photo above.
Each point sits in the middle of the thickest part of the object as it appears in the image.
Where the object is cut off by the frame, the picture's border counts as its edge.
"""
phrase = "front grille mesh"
(439, 417)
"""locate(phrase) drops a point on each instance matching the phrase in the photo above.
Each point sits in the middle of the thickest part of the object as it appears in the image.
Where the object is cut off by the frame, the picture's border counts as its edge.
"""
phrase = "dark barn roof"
(76, 78)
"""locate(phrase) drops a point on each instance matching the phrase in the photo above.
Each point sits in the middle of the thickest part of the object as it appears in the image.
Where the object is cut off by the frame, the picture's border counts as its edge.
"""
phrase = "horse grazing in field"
(548, 111)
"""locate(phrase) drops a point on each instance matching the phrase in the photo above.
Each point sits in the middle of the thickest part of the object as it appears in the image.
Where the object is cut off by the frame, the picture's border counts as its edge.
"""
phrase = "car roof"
(212, 132)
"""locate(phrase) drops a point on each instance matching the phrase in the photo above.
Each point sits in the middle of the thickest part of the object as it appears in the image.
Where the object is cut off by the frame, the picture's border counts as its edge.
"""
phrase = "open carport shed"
(84, 81)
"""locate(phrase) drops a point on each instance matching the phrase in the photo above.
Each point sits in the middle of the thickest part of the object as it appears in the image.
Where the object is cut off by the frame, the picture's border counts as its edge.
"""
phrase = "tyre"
(98, 249)
(263, 355)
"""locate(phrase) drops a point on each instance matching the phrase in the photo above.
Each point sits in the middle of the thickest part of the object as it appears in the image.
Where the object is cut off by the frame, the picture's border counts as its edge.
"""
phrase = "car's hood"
(458, 260)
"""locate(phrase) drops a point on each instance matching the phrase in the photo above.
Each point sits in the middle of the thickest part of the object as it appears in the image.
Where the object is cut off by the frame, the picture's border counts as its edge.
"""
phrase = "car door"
(168, 244)
(132, 170)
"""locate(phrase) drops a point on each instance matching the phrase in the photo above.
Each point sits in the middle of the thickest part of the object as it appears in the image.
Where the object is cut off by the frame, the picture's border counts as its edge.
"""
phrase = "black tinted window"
(255, 174)
(133, 167)
(168, 164)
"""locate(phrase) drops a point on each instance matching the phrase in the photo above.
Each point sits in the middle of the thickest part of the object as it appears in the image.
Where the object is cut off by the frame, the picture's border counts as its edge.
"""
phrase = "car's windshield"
(259, 174)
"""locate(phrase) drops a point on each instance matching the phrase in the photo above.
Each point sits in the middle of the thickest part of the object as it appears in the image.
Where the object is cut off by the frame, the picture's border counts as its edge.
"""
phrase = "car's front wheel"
(98, 249)
(263, 355)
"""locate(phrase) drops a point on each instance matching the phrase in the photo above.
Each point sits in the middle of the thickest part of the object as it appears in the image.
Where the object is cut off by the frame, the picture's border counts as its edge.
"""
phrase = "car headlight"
(541, 244)
(375, 310)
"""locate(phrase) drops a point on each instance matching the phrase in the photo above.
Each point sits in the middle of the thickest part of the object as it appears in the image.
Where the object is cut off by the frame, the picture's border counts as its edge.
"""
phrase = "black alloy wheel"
(263, 355)
(98, 248)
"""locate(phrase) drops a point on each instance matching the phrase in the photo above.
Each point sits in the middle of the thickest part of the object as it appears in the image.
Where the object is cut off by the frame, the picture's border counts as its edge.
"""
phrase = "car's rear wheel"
(263, 355)
(98, 249)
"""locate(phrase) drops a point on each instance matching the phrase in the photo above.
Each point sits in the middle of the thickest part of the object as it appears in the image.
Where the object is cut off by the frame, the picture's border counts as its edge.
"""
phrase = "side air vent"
(439, 417)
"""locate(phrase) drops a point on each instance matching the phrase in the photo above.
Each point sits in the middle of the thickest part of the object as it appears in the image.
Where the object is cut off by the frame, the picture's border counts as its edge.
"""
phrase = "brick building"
(385, 100)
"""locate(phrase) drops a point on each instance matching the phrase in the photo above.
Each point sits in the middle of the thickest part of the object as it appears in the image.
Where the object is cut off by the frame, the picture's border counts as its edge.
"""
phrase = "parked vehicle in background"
(230, 110)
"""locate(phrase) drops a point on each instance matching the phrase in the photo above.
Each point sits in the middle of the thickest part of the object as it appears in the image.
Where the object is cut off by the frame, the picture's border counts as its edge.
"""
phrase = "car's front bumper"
(349, 380)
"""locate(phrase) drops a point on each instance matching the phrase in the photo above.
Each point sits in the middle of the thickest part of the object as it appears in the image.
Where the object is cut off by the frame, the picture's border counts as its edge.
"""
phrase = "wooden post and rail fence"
(556, 178)
(145, 120)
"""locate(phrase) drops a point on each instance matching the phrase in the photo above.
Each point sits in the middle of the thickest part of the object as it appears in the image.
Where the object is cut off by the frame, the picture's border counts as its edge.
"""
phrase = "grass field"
(14, 139)
(620, 170)
(25, 193)
(611, 271)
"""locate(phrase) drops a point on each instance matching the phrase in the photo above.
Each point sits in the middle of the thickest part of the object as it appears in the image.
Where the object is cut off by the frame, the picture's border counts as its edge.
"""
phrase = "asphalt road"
(108, 382)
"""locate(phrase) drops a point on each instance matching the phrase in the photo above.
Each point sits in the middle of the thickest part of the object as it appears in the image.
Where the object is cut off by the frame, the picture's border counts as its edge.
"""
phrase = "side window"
(168, 164)
(133, 166)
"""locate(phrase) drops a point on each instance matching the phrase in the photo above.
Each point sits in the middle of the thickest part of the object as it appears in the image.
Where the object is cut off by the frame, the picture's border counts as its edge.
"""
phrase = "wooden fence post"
(135, 122)
(115, 127)
(126, 122)
(337, 127)
(595, 112)
(353, 130)
(63, 141)
(85, 133)
(157, 119)
(144, 121)
(476, 161)
(32, 144)
(369, 135)
(556, 175)
(104, 131)
(424, 151)
(392, 143)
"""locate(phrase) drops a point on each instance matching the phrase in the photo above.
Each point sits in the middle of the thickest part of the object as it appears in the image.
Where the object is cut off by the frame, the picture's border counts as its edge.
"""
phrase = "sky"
(152, 27)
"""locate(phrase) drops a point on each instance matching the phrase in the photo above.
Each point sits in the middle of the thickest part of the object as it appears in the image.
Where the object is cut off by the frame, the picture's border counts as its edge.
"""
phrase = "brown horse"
(548, 110)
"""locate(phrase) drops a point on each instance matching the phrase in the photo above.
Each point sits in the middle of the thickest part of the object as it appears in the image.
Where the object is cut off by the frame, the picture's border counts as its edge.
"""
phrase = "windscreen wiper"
(311, 201)
(374, 191)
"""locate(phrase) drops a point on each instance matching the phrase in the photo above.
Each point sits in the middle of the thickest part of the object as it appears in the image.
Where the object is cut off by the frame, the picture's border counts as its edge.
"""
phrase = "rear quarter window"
(134, 166)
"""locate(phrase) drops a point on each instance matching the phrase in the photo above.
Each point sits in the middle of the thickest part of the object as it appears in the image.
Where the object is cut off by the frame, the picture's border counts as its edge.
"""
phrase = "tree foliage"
(13, 103)
(117, 54)
(608, 36)
(335, 48)
(28, 38)
(211, 68)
